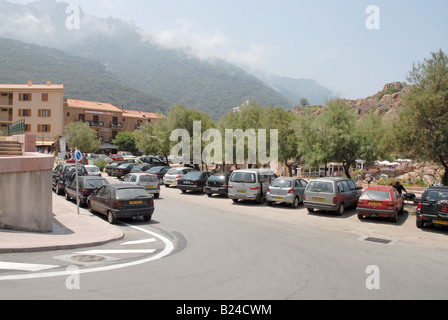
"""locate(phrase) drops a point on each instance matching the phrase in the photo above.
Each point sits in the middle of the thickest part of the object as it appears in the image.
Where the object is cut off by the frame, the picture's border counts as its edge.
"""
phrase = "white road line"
(117, 251)
(169, 247)
(25, 266)
(138, 242)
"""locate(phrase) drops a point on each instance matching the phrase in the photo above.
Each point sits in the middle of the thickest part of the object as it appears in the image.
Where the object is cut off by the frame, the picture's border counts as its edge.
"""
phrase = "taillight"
(206, 183)
(179, 176)
(151, 202)
(419, 208)
(390, 204)
(335, 200)
(119, 205)
(84, 191)
(254, 188)
(291, 191)
(224, 184)
(269, 190)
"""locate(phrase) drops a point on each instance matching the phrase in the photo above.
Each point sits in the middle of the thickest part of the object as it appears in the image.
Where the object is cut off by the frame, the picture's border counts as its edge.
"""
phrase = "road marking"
(169, 247)
(117, 251)
(25, 266)
(138, 242)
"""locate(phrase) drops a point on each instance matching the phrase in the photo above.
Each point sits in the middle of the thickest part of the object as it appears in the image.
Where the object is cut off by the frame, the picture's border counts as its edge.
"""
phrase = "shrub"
(100, 163)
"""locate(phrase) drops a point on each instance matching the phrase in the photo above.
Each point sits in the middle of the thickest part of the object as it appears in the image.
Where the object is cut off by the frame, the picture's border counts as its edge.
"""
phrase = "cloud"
(255, 56)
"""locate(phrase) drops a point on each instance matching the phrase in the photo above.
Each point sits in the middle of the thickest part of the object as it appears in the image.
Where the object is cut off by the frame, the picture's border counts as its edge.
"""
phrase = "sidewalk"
(70, 231)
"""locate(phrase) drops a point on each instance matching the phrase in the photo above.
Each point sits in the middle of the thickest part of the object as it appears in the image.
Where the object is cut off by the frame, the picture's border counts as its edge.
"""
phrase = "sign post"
(78, 157)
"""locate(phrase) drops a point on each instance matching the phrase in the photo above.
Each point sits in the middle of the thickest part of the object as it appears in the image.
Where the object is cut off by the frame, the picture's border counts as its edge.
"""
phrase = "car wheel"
(167, 186)
(259, 199)
(395, 217)
(360, 217)
(67, 196)
(420, 224)
(184, 191)
(235, 200)
(269, 203)
(295, 204)
(147, 218)
(341, 209)
(90, 208)
(157, 195)
(209, 195)
(111, 218)
(310, 210)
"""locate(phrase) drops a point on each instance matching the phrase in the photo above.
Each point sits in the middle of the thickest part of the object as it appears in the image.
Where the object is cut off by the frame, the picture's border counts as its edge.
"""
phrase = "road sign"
(78, 155)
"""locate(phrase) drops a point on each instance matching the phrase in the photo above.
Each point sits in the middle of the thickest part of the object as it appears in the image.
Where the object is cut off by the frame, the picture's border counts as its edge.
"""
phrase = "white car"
(174, 174)
(148, 181)
(93, 170)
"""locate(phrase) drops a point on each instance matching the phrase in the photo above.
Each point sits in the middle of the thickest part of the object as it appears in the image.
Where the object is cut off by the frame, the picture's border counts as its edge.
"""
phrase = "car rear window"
(435, 195)
(148, 179)
(96, 184)
(376, 195)
(281, 183)
(320, 186)
(130, 193)
(217, 177)
(173, 171)
(243, 177)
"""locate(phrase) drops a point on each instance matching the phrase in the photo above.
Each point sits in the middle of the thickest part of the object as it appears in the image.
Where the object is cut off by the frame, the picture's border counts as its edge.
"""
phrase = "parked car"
(112, 167)
(193, 181)
(122, 170)
(139, 168)
(433, 207)
(159, 172)
(286, 190)
(62, 174)
(148, 181)
(380, 201)
(87, 185)
(121, 201)
(126, 154)
(116, 157)
(331, 194)
(250, 184)
(218, 183)
(95, 157)
(153, 161)
(93, 170)
(174, 174)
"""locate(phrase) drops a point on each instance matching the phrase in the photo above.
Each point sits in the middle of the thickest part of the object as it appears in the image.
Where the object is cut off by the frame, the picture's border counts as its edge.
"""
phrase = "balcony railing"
(116, 125)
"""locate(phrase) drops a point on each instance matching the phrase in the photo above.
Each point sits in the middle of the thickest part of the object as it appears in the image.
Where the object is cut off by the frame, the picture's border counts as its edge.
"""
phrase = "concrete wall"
(25, 192)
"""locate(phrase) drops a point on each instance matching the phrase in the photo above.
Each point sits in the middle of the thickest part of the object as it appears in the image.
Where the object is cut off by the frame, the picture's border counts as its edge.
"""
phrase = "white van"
(250, 184)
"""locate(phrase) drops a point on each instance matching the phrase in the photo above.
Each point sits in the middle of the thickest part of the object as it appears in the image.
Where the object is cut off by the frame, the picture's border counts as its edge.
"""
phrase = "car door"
(56, 173)
(95, 199)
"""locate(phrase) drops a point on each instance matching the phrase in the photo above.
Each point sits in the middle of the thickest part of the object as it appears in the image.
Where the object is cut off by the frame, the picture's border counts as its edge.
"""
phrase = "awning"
(45, 143)
(108, 146)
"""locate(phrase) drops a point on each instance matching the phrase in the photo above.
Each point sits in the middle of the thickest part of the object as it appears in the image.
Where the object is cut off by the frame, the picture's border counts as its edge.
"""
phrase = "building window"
(44, 113)
(68, 114)
(25, 97)
(24, 112)
(44, 128)
(27, 128)
(45, 97)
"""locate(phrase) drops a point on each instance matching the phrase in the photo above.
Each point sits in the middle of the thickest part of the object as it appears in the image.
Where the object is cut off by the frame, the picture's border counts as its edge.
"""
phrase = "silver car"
(174, 174)
(148, 181)
(331, 194)
(286, 190)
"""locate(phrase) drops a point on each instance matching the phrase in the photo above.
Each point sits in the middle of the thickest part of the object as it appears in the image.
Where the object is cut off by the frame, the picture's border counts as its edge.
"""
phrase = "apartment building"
(107, 119)
(40, 105)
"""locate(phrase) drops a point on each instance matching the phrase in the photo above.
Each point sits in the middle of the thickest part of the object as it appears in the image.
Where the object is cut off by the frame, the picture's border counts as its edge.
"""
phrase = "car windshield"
(436, 195)
(280, 183)
(124, 165)
(95, 184)
(376, 195)
(131, 193)
(243, 177)
(156, 169)
(320, 186)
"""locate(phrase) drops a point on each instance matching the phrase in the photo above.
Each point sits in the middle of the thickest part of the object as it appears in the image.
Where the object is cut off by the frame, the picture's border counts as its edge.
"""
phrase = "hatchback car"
(122, 201)
(86, 186)
(433, 207)
(286, 190)
(93, 170)
(217, 183)
(148, 181)
(380, 201)
(140, 168)
(193, 181)
(174, 174)
(331, 194)
(63, 173)
(153, 161)
(159, 172)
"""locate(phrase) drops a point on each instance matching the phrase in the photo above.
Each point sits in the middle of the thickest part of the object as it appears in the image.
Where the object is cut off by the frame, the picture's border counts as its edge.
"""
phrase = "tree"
(304, 102)
(125, 141)
(422, 132)
(82, 137)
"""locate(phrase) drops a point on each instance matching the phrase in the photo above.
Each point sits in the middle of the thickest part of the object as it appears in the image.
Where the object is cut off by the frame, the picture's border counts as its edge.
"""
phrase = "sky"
(340, 44)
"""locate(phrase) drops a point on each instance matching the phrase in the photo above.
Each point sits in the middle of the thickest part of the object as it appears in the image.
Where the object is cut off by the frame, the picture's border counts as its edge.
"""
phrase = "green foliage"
(125, 141)
(101, 163)
(82, 137)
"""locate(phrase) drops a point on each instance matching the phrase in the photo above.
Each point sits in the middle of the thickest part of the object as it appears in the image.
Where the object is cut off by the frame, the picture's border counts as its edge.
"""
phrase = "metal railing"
(17, 128)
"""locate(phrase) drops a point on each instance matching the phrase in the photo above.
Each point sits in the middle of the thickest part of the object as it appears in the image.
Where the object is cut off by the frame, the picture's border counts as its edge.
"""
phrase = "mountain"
(131, 58)
(296, 89)
(82, 78)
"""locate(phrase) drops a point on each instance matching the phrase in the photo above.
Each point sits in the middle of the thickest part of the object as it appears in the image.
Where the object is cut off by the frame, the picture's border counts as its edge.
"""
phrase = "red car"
(116, 157)
(380, 201)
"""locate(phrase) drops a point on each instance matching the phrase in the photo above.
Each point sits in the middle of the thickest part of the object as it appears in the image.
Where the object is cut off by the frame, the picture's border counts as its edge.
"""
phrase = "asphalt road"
(226, 251)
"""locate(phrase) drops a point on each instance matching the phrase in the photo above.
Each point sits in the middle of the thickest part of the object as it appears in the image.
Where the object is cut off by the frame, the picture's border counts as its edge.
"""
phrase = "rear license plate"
(319, 199)
(278, 198)
(149, 187)
(135, 202)
(443, 223)
(241, 191)
(214, 189)
(375, 203)
(170, 181)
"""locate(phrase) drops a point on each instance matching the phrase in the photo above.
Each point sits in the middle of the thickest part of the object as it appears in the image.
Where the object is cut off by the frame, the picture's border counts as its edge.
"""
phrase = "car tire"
(111, 218)
(341, 209)
(235, 200)
(360, 217)
(395, 217)
(420, 224)
(157, 195)
(167, 186)
(269, 203)
(67, 196)
(295, 203)
(209, 195)
(147, 218)
(310, 210)
(90, 208)
(259, 199)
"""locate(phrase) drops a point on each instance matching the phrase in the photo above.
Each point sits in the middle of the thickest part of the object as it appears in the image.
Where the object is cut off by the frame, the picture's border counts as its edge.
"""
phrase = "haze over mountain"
(131, 59)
